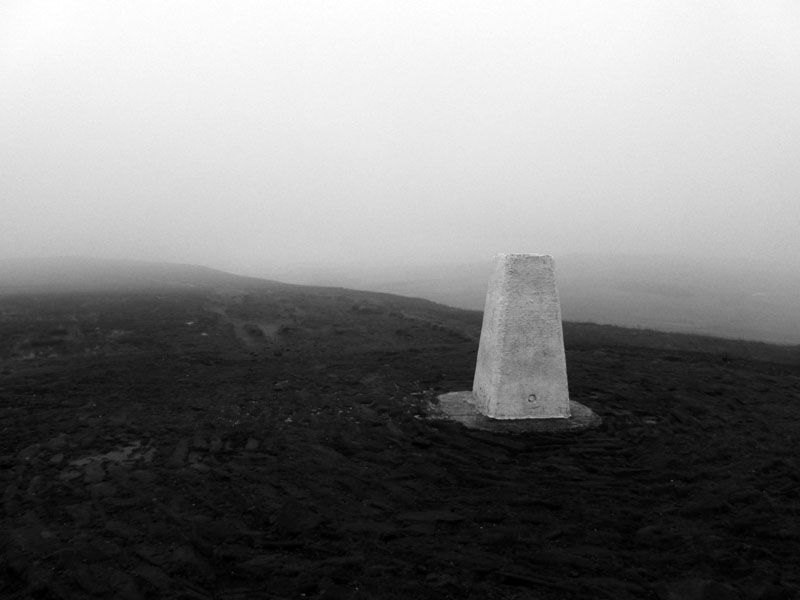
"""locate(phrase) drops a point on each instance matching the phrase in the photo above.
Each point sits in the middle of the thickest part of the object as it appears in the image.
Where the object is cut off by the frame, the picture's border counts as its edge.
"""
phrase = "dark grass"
(285, 454)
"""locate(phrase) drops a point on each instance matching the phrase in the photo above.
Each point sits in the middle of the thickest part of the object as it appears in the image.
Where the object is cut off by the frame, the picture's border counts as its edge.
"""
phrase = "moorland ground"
(271, 441)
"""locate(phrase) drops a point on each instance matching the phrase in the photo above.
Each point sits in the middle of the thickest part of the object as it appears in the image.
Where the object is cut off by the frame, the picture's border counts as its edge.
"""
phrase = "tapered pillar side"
(521, 368)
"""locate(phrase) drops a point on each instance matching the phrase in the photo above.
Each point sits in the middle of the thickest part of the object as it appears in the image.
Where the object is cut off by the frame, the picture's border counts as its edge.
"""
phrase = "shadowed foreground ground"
(270, 444)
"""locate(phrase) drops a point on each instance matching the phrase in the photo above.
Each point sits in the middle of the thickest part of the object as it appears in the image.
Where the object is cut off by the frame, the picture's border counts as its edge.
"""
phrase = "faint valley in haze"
(743, 300)
(746, 299)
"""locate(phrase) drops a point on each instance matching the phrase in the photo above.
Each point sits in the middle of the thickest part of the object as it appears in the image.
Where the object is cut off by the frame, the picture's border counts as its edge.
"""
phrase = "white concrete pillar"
(521, 371)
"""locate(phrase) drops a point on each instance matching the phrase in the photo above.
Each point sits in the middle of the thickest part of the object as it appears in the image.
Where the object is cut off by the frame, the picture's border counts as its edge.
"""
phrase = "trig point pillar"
(522, 371)
(520, 383)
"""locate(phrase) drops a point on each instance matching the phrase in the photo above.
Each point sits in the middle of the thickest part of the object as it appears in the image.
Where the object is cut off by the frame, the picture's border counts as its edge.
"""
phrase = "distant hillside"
(93, 274)
(740, 299)
(24, 280)
(744, 299)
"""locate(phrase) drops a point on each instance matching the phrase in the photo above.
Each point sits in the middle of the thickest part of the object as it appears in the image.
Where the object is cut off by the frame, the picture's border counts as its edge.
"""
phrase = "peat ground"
(271, 443)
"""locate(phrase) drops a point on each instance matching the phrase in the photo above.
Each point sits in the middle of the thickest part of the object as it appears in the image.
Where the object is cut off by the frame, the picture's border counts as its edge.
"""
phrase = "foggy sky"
(242, 134)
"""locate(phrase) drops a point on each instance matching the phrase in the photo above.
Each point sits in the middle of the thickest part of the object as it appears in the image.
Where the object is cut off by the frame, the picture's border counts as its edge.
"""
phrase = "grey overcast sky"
(242, 134)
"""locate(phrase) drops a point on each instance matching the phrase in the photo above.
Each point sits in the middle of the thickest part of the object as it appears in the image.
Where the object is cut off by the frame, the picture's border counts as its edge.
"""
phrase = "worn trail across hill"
(148, 450)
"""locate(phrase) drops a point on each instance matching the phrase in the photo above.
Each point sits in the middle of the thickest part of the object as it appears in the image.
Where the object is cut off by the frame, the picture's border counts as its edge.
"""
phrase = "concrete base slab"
(461, 407)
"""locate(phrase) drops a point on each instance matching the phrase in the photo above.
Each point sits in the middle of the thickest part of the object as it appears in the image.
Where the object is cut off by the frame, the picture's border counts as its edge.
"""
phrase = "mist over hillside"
(22, 275)
(744, 299)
